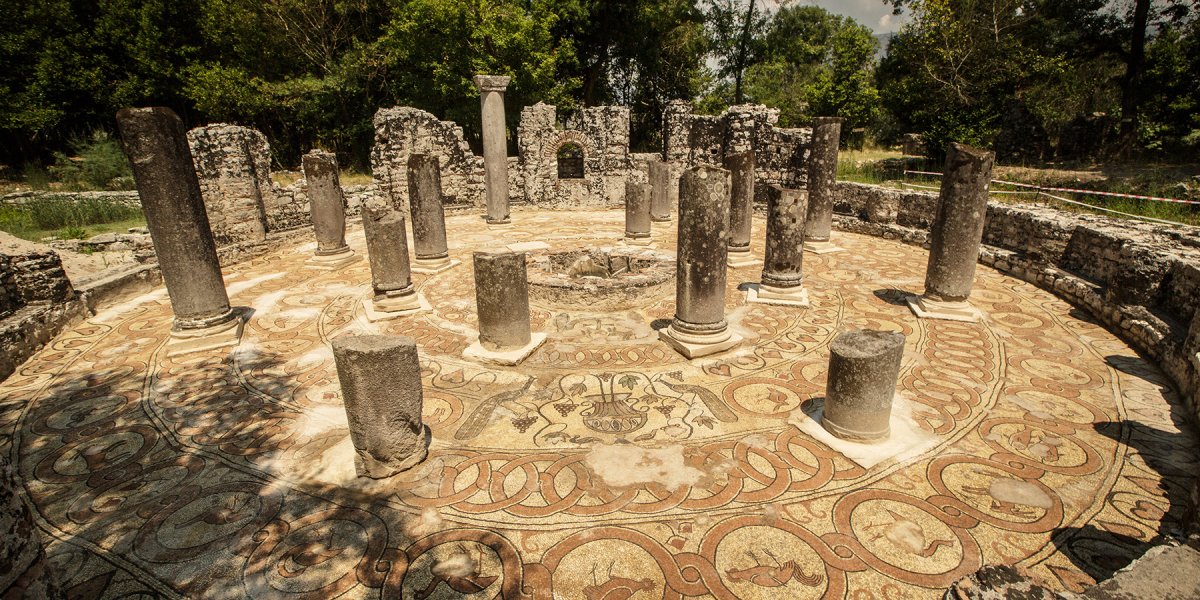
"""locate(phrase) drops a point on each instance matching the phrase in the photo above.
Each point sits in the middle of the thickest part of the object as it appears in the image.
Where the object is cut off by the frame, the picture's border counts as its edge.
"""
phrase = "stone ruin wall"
(602, 132)
(1141, 280)
(37, 301)
(780, 154)
(233, 164)
(402, 131)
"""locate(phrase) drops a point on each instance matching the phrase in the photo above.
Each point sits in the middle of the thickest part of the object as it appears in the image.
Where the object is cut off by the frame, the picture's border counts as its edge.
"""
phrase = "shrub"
(98, 164)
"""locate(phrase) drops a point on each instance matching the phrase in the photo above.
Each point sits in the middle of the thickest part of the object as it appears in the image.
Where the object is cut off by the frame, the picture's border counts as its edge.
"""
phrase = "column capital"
(491, 83)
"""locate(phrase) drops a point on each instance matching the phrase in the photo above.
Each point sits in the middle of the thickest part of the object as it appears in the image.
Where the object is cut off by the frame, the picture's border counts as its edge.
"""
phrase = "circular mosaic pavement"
(606, 466)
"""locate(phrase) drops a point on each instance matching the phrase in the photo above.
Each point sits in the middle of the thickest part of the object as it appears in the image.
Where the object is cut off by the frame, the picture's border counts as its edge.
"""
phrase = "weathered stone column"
(327, 205)
(392, 294)
(956, 236)
(822, 178)
(428, 215)
(783, 261)
(637, 213)
(495, 146)
(659, 174)
(502, 306)
(157, 147)
(381, 389)
(699, 326)
(863, 367)
(741, 208)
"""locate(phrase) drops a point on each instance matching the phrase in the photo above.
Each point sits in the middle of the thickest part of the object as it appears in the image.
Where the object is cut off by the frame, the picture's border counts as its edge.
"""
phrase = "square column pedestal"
(331, 262)
(188, 341)
(696, 346)
(435, 265)
(388, 306)
(927, 308)
(822, 247)
(740, 259)
(758, 293)
(507, 356)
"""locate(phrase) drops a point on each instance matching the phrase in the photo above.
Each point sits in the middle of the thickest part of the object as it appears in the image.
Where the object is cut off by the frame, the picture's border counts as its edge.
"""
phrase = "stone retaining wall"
(1141, 280)
(37, 301)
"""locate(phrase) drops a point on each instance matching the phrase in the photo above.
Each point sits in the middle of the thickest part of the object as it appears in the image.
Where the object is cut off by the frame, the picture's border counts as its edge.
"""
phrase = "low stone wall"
(129, 198)
(37, 301)
(1140, 280)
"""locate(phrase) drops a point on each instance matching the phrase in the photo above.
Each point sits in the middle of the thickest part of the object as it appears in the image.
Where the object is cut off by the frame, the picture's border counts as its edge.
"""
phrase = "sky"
(873, 13)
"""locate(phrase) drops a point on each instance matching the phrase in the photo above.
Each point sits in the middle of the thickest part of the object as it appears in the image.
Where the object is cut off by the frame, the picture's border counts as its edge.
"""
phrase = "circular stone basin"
(599, 278)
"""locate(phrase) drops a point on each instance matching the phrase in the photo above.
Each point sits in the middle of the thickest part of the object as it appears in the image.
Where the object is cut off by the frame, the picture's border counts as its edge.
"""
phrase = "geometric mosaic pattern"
(606, 466)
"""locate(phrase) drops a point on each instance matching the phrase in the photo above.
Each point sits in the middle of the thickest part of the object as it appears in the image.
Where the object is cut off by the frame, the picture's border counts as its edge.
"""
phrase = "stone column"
(392, 294)
(637, 213)
(327, 205)
(956, 236)
(822, 177)
(659, 174)
(741, 208)
(381, 389)
(155, 142)
(428, 215)
(502, 306)
(699, 326)
(783, 261)
(495, 146)
(863, 367)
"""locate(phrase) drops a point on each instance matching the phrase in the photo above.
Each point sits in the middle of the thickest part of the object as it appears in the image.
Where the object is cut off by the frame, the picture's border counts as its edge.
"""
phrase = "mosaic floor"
(605, 467)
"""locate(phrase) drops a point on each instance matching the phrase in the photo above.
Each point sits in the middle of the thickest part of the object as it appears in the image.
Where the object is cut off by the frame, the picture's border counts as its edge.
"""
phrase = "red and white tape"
(1072, 190)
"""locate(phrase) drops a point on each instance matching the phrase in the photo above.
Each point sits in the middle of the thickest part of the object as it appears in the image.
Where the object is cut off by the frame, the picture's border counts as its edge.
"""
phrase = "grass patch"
(346, 177)
(48, 216)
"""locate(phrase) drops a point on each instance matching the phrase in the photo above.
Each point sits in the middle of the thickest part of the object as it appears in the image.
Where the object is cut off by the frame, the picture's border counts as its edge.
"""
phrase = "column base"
(369, 467)
(765, 294)
(508, 357)
(645, 242)
(694, 346)
(506, 221)
(654, 219)
(927, 308)
(433, 265)
(188, 341)
(527, 246)
(740, 258)
(331, 262)
(851, 435)
(382, 308)
(822, 247)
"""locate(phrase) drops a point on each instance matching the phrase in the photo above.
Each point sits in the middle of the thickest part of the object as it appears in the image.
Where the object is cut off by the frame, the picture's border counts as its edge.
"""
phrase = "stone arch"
(570, 157)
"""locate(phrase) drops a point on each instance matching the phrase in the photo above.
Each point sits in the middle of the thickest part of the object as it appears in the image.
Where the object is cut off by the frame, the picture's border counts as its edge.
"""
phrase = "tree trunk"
(1134, 67)
(743, 48)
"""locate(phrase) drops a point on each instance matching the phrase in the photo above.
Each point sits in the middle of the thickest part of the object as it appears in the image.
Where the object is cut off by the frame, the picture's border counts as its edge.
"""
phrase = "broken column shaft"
(155, 142)
(637, 213)
(495, 146)
(387, 252)
(428, 214)
(502, 307)
(863, 367)
(741, 207)
(381, 389)
(822, 178)
(783, 261)
(661, 201)
(956, 235)
(327, 205)
(699, 326)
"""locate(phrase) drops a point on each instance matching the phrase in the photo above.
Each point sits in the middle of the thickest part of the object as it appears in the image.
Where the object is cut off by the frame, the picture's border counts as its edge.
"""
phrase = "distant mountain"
(883, 39)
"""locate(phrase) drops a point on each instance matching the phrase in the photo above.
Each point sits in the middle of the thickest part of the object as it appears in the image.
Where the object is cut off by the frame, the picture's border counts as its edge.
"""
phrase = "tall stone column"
(327, 205)
(863, 367)
(659, 174)
(956, 236)
(156, 144)
(495, 146)
(637, 213)
(741, 208)
(699, 326)
(783, 262)
(822, 178)
(502, 306)
(392, 291)
(380, 377)
(428, 215)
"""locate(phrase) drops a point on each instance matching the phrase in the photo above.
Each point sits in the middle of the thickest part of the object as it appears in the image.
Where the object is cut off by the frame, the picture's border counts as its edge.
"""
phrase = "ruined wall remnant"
(781, 154)
(36, 302)
(403, 131)
(233, 164)
(600, 134)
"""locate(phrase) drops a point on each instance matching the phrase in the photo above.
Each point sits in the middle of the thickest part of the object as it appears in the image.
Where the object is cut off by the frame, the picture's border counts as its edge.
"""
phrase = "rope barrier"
(1071, 190)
